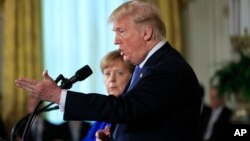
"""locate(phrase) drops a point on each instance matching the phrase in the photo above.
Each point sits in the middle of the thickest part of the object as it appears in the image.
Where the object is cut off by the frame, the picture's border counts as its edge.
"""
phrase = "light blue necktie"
(135, 74)
(135, 77)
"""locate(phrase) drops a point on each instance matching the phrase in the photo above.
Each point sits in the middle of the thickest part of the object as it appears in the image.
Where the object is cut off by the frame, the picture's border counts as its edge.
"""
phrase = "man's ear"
(148, 33)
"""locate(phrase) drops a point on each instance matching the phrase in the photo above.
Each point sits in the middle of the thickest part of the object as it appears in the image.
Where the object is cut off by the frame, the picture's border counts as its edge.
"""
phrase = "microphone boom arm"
(80, 75)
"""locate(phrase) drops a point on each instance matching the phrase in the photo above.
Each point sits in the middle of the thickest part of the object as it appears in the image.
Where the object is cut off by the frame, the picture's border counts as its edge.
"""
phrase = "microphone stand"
(15, 130)
(32, 116)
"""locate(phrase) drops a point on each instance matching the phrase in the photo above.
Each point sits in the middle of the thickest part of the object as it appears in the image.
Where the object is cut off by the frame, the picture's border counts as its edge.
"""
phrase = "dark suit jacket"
(221, 128)
(164, 105)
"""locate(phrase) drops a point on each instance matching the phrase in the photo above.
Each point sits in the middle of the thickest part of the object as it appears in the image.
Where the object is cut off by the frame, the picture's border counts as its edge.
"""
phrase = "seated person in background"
(215, 118)
(3, 134)
(116, 74)
(40, 130)
(72, 130)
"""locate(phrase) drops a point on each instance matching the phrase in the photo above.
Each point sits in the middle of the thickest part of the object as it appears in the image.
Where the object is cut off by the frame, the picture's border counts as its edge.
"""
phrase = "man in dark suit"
(215, 119)
(161, 102)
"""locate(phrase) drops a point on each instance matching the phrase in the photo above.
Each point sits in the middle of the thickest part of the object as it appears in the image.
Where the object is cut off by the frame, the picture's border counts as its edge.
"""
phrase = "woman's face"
(116, 77)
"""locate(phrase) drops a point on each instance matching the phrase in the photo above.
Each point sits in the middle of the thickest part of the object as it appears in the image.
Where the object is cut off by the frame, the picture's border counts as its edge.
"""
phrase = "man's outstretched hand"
(45, 89)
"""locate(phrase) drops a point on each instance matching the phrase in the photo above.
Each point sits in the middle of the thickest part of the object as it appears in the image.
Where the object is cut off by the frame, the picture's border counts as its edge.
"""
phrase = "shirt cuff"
(62, 100)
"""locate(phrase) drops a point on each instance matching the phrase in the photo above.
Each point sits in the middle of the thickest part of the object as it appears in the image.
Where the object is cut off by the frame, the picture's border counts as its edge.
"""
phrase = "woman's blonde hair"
(112, 56)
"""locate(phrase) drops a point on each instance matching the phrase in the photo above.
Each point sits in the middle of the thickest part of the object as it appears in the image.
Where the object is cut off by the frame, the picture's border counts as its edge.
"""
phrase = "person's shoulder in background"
(3, 134)
(65, 129)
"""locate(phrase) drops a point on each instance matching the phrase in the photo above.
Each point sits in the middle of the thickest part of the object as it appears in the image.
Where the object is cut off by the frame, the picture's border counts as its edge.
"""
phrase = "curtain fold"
(170, 11)
(21, 54)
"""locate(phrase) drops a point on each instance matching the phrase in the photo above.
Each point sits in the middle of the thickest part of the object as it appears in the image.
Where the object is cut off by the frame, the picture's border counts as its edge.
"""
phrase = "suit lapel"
(147, 66)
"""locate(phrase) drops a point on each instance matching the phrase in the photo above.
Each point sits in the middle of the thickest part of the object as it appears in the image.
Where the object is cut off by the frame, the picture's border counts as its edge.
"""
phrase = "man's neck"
(152, 51)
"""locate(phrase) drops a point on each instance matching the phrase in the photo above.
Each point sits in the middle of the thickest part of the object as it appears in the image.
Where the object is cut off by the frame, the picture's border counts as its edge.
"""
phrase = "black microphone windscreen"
(83, 73)
(80, 75)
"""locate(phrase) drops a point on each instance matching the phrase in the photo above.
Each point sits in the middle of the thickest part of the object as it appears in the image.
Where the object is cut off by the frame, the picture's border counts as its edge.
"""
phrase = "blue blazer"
(164, 105)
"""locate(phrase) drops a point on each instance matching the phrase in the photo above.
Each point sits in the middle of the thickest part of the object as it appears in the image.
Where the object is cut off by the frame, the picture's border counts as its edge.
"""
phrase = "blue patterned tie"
(135, 77)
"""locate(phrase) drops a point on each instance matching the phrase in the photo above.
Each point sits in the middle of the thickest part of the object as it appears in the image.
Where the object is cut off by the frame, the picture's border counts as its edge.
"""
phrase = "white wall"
(206, 37)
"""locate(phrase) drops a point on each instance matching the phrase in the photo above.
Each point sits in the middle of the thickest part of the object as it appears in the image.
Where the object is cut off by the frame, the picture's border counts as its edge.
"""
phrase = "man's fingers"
(107, 128)
(46, 75)
(26, 80)
(25, 85)
(99, 134)
(102, 135)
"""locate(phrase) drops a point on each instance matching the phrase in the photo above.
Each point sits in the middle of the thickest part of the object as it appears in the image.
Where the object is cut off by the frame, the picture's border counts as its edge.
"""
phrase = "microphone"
(80, 75)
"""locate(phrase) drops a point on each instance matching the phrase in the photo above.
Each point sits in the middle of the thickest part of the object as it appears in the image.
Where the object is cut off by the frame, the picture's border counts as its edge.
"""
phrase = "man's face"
(130, 40)
(215, 100)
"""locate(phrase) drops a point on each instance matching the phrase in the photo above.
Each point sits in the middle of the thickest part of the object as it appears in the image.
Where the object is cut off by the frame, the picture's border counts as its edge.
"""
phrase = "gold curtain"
(21, 54)
(170, 11)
